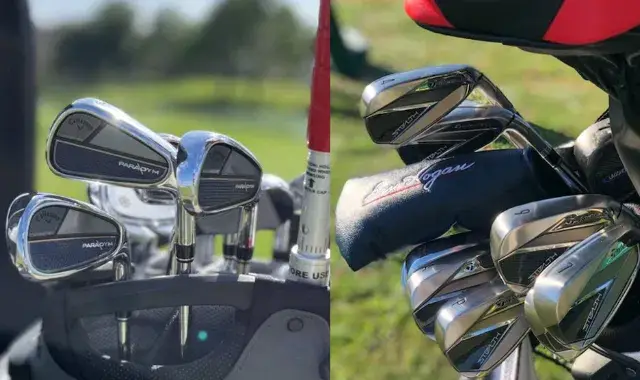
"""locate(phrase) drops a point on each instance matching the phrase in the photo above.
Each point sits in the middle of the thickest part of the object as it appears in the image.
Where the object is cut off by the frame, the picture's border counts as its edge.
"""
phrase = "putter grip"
(382, 213)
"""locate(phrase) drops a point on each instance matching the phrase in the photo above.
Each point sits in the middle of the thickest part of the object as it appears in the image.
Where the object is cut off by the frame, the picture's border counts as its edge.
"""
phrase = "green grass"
(268, 117)
(372, 334)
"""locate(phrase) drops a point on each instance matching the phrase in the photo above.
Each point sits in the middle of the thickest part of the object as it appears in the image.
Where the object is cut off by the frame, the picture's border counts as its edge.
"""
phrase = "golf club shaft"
(122, 272)
(185, 250)
(524, 133)
(246, 238)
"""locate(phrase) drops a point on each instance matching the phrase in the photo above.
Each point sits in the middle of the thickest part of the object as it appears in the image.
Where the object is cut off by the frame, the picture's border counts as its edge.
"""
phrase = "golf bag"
(242, 327)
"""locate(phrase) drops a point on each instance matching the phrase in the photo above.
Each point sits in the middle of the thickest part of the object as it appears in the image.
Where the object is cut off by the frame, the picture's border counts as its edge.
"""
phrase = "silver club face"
(578, 294)
(432, 276)
(92, 140)
(57, 237)
(398, 107)
(528, 238)
(216, 173)
(478, 331)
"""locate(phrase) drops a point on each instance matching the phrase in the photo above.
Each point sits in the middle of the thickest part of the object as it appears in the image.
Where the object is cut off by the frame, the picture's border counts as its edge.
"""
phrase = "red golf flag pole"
(309, 260)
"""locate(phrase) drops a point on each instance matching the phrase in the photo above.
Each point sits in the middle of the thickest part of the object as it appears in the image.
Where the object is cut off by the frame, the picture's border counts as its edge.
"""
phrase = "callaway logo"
(245, 186)
(97, 244)
(80, 123)
(505, 302)
(611, 177)
(138, 167)
(408, 122)
(428, 179)
(47, 217)
(490, 348)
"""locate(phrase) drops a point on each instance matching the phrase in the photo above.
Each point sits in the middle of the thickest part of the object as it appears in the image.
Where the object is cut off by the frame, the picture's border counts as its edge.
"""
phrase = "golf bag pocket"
(380, 214)
(239, 327)
(572, 26)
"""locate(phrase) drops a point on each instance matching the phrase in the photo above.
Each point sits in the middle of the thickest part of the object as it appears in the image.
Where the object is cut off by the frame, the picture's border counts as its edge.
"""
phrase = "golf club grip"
(382, 213)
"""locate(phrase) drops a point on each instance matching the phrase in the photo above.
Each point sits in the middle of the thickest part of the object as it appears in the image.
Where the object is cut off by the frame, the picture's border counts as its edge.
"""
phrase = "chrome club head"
(436, 272)
(216, 173)
(478, 331)
(158, 196)
(543, 336)
(398, 107)
(91, 140)
(577, 295)
(528, 238)
(57, 237)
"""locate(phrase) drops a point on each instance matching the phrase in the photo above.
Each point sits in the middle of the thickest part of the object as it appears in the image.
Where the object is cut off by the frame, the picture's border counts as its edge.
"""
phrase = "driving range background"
(239, 67)
(373, 336)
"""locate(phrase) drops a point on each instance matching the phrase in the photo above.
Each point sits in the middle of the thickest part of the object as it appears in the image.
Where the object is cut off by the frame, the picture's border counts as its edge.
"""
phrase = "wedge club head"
(577, 295)
(527, 238)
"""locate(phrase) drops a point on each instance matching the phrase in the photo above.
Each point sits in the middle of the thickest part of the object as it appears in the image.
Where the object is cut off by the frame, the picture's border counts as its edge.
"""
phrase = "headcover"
(593, 26)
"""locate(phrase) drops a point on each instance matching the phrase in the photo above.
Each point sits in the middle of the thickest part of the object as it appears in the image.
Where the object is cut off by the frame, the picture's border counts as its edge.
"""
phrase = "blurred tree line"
(248, 38)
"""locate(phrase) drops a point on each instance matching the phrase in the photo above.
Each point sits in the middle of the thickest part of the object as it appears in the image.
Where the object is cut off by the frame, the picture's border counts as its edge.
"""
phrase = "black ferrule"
(184, 253)
(244, 254)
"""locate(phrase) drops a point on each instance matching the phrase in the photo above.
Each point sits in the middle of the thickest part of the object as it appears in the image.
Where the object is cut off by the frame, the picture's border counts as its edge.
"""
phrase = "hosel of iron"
(229, 252)
(246, 237)
(184, 255)
(122, 272)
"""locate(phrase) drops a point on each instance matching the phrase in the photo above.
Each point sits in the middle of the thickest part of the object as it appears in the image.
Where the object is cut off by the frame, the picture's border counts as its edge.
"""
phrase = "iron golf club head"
(216, 173)
(478, 331)
(57, 237)
(577, 295)
(398, 107)
(527, 238)
(436, 272)
(91, 140)
(541, 334)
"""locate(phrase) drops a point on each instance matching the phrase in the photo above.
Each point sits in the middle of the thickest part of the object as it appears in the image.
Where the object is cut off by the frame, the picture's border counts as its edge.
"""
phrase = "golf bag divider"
(231, 315)
(382, 213)
(554, 27)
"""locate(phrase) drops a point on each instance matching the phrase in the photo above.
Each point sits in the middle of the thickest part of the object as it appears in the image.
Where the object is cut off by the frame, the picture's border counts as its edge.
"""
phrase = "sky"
(48, 13)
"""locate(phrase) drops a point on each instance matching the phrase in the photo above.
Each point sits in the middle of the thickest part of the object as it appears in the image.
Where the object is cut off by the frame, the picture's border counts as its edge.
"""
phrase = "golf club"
(91, 140)
(577, 295)
(214, 174)
(478, 331)
(527, 238)
(57, 238)
(401, 107)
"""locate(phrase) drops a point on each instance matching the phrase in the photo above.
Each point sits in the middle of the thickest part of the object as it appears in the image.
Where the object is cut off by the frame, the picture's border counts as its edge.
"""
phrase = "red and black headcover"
(594, 26)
